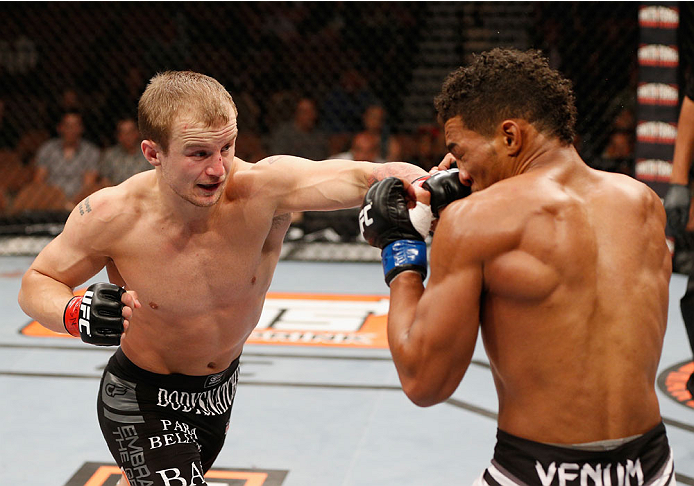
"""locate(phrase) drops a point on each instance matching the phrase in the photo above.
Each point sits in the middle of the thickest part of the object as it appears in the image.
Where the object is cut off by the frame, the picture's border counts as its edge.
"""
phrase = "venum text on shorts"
(588, 474)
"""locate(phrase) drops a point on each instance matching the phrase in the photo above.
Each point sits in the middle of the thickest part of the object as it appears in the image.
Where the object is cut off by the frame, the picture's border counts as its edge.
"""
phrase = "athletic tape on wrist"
(404, 255)
(71, 316)
(421, 218)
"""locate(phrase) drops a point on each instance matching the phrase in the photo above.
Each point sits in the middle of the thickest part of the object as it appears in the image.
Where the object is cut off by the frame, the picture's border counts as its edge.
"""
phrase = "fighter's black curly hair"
(507, 83)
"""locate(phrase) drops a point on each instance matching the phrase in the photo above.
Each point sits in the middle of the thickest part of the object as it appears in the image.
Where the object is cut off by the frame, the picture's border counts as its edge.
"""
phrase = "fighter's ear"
(512, 136)
(151, 152)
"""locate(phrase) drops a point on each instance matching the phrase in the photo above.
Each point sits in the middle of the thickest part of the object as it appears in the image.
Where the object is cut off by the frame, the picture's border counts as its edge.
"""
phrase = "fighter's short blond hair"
(173, 92)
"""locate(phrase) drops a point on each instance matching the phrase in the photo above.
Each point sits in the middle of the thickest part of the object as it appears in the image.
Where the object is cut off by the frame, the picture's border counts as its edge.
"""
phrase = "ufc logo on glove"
(364, 219)
(85, 311)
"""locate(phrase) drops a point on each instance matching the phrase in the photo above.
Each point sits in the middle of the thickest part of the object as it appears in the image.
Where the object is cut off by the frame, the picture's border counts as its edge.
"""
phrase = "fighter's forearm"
(406, 289)
(402, 170)
(684, 144)
(44, 299)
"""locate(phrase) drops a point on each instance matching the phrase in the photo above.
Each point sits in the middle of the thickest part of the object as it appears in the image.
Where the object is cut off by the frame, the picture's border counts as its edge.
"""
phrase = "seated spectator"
(249, 147)
(301, 136)
(365, 146)
(395, 151)
(39, 196)
(68, 162)
(9, 135)
(374, 122)
(124, 159)
(343, 107)
(430, 147)
(14, 175)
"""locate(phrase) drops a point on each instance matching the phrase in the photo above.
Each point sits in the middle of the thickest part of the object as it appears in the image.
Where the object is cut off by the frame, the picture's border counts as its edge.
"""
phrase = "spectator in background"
(301, 136)
(343, 108)
(365, 146)
(374, 122)
(340, 225)
(68, 162)
(679, 196)
(430, 147)
(678, 203)
(395, 150)
(72, 100)
(9, 136)
(125, 158)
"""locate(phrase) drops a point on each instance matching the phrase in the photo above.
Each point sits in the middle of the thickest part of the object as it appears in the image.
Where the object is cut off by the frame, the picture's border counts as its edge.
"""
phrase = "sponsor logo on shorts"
(99, 474)
(565, 473)
(211, 402)
(214, 380)
(673, 382)
(114, 390)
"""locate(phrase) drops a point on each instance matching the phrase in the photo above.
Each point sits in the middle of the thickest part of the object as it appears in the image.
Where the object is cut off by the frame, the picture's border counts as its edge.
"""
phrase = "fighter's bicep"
(451, 302)
(302, 185)
(68, 264)
(75, 255)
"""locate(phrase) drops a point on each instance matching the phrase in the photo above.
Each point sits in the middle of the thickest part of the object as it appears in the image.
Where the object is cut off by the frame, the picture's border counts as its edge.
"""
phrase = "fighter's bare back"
(569, 317)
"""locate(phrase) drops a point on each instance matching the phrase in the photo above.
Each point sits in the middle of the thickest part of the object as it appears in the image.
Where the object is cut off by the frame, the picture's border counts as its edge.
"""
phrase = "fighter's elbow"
(25, 290)
(22, 301)
(423, 394)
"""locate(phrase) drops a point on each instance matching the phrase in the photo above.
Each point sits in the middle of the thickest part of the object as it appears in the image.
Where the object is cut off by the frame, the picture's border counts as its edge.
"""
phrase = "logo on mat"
(97, 474)
(673, 382)
(304, 319)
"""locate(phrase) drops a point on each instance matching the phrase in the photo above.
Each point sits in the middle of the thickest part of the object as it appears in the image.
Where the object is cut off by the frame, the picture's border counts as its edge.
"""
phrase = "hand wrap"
(445, 187)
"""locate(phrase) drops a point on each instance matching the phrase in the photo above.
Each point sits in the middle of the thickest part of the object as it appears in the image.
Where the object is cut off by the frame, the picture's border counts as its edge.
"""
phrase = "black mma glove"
(384, 221)
(96, 317)
(445, 187)
(677, 200)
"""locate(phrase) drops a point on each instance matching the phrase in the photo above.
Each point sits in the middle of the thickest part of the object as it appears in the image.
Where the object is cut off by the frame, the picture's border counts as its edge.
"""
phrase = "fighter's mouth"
(210, 187)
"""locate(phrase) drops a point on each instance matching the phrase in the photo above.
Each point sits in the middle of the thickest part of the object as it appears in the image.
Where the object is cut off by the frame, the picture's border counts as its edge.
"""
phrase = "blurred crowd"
(313, 79)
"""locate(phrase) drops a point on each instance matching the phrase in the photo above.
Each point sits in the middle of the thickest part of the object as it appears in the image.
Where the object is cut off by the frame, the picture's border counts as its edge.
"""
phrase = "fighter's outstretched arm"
(306, 185)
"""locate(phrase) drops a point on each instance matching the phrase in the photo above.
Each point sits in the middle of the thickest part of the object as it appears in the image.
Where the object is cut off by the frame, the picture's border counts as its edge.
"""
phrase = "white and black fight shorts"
(645, 460)
(164, 429)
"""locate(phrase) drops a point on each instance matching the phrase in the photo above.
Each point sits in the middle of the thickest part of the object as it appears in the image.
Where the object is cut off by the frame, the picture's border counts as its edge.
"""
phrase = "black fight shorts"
(164, 429)
(643, 461)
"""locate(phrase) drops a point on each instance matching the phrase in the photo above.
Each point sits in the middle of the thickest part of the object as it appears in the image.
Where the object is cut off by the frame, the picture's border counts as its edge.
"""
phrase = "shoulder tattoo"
(84, 206)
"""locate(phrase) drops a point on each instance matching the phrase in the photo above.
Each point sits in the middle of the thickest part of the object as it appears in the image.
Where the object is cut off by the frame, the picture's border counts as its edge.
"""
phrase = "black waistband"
(174, 380)
(521, 457)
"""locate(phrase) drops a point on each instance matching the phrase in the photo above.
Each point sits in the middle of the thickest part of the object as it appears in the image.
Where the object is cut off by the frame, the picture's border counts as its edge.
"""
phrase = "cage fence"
(336, 69)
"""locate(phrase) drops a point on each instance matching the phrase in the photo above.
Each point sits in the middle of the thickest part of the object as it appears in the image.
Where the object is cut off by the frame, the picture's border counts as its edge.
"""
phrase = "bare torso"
(574, 302)
(202, 289)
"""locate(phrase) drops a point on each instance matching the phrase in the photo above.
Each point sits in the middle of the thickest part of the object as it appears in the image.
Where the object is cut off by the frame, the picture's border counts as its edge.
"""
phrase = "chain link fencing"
(334, 69)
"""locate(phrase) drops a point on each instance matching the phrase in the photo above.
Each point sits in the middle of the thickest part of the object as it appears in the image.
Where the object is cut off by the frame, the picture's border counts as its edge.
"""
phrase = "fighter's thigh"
(150, 452)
